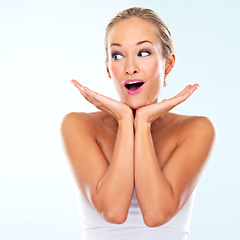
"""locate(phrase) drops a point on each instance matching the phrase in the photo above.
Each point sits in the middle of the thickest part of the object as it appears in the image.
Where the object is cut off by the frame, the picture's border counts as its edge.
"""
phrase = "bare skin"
(137, 142)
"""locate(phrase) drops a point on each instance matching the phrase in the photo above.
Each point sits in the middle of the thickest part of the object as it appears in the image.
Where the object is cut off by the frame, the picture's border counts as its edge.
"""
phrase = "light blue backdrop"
(44, 44)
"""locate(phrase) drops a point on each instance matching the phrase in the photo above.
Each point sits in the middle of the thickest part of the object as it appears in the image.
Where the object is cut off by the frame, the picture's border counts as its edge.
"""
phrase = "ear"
(170, 64)
(107, 68)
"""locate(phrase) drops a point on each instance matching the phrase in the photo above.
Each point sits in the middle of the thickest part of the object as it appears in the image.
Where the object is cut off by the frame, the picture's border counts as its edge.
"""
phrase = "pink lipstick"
(133, 86)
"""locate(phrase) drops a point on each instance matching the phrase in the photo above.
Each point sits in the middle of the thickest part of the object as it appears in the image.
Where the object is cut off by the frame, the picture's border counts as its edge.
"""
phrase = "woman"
(135, 163)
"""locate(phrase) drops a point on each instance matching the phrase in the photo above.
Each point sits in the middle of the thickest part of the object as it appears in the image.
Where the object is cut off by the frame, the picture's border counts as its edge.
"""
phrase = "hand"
(151, 112)
(117, 109)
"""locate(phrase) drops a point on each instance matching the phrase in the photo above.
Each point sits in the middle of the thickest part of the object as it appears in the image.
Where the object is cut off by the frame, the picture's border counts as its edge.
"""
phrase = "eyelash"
(145, 51)
(115, 54)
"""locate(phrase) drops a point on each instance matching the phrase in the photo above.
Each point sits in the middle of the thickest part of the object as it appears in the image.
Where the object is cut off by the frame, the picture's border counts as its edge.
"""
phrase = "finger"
(93, 97)
(194, 88)
(81, 88)
(89, 95)
(83, 91)
(98, 100)
(181, 97)
(184, 91)
(187, 91)
(99, 97)
(95, 94)
(191, 90)
(88, 92)
(76, 83)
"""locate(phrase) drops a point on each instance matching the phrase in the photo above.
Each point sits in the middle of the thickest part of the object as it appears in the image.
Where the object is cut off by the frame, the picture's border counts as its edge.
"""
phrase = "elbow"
(158, 218)
(115, 217)
(157, 214)
(110, 211)
(155, 221)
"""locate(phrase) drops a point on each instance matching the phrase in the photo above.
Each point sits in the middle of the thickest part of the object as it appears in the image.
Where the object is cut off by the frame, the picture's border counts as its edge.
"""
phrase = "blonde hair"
(149, 15)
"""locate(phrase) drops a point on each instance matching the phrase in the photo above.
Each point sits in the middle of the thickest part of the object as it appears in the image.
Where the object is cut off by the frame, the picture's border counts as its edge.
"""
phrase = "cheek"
(155, 70)
(115, 70)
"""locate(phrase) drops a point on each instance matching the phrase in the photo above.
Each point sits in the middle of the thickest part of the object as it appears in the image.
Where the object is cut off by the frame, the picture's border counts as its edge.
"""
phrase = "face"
(135, 62)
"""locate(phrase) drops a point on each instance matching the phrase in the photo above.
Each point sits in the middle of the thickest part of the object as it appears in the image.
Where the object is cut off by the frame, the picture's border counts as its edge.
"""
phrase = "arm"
(115, 189)
(163, 192)
(108, 187)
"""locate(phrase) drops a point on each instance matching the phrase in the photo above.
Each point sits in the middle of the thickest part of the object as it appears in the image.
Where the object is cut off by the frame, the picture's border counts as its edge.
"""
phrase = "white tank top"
(96, 228)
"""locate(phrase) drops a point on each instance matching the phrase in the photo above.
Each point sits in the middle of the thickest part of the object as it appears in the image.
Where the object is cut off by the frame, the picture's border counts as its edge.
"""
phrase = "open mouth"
(134, 86)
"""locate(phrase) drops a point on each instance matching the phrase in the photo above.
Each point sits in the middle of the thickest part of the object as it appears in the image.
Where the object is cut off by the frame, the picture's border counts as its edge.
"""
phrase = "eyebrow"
(138, 43)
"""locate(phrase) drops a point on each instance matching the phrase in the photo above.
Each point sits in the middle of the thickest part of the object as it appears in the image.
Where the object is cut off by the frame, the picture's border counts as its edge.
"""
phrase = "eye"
(144, 53)
(117, 56)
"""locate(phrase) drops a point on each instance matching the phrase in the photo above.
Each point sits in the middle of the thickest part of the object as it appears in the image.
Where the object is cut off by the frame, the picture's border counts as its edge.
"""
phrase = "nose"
(131, 67)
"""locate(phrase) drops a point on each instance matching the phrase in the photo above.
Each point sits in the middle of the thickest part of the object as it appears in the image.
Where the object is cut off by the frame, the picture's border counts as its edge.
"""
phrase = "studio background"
(44, 44)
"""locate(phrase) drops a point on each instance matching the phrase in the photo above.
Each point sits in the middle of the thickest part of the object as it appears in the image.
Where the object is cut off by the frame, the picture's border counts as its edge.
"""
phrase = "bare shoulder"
(79, 120)
(198, 123)
(85, 156)
(77, 117)
(191, 126)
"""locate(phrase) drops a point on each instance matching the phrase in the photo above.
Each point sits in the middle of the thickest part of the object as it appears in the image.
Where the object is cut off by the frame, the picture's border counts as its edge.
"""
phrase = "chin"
(137, 104)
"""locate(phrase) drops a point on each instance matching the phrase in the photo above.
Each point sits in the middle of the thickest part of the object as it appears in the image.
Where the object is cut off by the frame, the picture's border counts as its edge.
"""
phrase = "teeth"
(134, 82)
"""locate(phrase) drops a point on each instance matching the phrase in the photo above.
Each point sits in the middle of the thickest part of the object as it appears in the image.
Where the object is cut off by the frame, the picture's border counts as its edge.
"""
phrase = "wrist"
(126, 118)
(141, 122)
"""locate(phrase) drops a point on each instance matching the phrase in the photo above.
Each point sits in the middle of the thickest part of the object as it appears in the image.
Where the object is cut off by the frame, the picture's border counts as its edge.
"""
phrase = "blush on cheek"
(154, 68)
(115, 70)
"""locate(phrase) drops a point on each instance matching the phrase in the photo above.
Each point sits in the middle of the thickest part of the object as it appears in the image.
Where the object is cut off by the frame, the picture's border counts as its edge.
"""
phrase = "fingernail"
(73, 82)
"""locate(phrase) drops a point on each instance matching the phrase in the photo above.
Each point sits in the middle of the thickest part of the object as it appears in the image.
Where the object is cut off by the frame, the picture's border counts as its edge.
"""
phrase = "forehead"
(132, 30)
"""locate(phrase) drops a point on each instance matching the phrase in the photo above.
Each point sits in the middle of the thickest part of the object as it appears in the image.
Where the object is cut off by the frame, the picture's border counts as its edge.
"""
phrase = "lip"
(133, 80)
